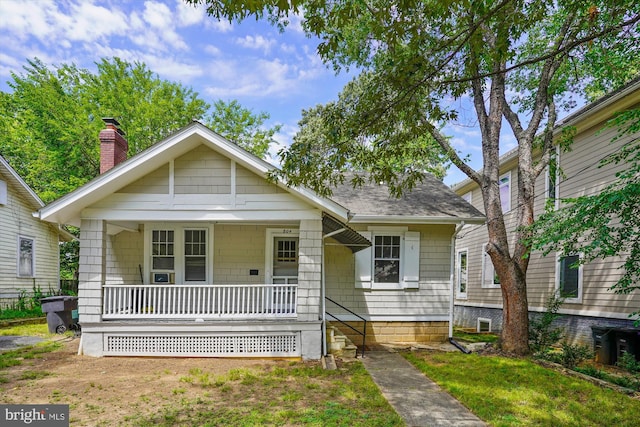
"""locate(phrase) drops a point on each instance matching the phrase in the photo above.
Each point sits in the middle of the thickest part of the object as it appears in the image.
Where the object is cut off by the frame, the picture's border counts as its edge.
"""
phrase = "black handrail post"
(363, 333)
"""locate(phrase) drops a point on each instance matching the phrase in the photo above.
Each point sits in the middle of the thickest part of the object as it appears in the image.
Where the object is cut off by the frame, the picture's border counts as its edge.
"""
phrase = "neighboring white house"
(589, 302)
(187, 250)
(29, 254)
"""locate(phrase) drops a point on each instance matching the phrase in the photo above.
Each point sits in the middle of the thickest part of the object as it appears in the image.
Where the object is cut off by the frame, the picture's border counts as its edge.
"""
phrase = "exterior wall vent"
(484, 325)
(219, 345)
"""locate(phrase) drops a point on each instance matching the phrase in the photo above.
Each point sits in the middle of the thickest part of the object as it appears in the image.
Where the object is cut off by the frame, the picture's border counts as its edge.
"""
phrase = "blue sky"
(265, 70)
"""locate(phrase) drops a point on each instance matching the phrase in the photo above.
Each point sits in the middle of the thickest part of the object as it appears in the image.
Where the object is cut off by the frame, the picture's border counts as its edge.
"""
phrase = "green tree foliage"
(516, 61)
(242, 126)
(50, 121)
(606, 224)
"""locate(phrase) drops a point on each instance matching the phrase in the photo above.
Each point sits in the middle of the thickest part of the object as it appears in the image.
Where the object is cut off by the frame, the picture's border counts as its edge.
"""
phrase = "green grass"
(474, 337)
(15, 357)
(516, 392)
(293, 394)
(12, 313)
(34, 330)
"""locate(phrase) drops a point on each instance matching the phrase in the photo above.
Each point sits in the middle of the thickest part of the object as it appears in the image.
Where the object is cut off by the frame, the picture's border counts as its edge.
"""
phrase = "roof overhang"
(400, 219)
(339, 231)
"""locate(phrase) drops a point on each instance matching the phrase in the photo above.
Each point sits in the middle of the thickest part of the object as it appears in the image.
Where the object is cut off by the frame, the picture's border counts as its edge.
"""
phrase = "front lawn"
(514, 392)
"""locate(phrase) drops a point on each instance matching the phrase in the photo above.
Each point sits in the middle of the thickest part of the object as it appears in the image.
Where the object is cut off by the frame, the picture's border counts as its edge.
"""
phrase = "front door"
(282, 266)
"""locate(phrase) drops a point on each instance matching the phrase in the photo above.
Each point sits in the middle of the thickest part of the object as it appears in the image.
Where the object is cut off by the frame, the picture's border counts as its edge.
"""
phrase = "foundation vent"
(232, 345)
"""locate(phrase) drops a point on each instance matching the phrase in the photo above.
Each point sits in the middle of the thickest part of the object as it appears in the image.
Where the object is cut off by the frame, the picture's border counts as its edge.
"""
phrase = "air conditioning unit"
(163, 277)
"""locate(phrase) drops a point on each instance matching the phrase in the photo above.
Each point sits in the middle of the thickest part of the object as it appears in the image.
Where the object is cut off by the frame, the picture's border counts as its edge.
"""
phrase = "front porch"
(199, 302)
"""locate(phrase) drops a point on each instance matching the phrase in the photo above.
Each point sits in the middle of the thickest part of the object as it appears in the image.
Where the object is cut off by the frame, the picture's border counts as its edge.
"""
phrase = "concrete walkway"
(417, 399)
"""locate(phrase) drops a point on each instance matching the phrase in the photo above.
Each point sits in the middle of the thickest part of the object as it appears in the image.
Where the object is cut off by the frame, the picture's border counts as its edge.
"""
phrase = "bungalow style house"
(588, 300)
(187, 250)
(29, 254)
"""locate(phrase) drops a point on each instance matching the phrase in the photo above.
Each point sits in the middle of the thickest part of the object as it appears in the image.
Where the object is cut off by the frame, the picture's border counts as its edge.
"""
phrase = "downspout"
(453, 288)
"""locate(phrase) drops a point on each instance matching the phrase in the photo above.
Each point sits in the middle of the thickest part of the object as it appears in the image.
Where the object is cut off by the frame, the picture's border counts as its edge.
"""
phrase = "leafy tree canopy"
(50, 120)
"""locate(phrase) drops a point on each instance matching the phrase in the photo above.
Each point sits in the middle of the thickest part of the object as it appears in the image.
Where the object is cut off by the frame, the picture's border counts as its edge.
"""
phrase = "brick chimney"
(113, 145)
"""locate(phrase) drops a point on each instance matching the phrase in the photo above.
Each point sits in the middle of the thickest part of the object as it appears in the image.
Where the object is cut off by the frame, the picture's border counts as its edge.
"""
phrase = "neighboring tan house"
(588, 300)
(187, 250)
(29, 254)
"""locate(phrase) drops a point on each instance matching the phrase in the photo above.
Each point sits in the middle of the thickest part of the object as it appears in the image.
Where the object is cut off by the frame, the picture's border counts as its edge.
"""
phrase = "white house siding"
(202, 171)
(125, 256)
(580, 176)
(238, 248)
(16, 219)
(411, 315)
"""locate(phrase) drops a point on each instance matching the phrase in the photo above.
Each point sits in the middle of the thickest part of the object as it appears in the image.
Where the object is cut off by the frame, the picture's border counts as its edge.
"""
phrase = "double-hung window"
(505, 192)
(489, 277)
(195, 255)
(26, 257)
(569, 278)
(179, 254)
(392, 262)
(462, 269)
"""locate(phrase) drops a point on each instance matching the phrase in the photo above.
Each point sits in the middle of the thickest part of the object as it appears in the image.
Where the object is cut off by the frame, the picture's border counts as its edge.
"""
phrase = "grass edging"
(597, 381)
(26, 321)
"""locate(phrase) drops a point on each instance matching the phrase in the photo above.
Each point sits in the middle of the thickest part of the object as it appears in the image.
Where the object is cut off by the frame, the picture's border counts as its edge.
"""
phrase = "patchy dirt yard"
(103, 391)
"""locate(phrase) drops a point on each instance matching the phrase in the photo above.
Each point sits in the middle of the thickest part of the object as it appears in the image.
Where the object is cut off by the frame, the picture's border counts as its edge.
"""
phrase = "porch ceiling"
(343, 234)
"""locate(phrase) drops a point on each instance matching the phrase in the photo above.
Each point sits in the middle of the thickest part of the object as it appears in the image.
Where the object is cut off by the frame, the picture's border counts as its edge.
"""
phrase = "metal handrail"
(364, 331)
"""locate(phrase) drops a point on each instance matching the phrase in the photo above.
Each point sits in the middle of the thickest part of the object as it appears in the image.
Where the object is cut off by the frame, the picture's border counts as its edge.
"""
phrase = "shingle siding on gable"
(202, 171)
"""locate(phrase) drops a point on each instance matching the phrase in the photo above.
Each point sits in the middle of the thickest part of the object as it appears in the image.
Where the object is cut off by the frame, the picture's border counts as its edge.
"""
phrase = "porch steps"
(339, 344)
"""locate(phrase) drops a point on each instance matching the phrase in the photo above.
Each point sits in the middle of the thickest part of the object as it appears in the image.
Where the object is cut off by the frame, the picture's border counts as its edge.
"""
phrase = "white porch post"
(309, 285)
(91, 278)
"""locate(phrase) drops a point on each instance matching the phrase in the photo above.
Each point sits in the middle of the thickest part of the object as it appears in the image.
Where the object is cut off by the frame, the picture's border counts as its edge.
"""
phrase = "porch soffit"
(343, 234)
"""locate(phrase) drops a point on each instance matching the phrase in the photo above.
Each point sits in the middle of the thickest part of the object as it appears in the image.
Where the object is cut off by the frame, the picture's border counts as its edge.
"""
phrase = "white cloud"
(256, 42)
(218, 26)
(212, 50)
(189, 15)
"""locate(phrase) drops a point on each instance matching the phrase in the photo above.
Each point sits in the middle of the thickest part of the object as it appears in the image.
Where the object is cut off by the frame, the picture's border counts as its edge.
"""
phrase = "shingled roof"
(429, 201)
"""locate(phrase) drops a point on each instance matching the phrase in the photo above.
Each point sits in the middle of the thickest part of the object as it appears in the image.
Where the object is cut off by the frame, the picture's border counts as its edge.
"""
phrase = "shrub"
(572, 355)
(628, 362)
(541, 335)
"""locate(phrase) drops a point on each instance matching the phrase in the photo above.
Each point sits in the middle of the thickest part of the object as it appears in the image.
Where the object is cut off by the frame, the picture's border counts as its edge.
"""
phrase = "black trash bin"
(627, 340)
(604, 347)
(59, 312)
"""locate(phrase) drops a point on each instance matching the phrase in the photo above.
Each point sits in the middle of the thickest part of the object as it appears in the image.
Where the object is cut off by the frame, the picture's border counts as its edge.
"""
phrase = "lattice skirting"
(218, 345)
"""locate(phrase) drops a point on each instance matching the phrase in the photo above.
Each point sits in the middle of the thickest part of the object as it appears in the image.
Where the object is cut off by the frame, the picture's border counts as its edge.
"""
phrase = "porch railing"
(171, 301)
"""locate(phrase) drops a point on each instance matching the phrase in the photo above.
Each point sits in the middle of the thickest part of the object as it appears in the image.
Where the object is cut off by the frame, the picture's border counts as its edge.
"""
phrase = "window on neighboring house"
(569, 278)
(393, 262)
(505, 191)
(162, 254)
(467, 197)
(195, 255)
(26, 258)
(552, 179)
(462, 260)
(489, 277)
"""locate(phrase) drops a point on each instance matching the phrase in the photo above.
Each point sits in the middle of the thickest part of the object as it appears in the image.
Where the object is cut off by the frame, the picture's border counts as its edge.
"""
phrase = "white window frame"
(271, 234)
(184, 256)
(459, 293)
(506, 205)
(468, 196)
(480, 320)
(578, 298)
(178, 251)
(548, 183)
(33, 256)
(488, 270)
(409, 270)
(3, 193)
